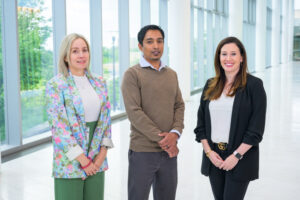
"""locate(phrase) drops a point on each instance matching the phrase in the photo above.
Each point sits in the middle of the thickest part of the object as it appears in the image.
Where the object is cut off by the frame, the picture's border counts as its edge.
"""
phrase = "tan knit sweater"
(153, 104)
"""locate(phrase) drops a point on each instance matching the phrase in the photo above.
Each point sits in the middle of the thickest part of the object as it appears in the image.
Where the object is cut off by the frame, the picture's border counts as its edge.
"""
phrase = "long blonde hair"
(217, 84)
(65, 50)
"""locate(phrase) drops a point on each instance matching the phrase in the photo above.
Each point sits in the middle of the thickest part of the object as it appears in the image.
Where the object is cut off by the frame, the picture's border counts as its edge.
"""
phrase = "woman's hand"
(229, 163)
(91, 169)
(87, 165)
(98, 160)
(215, 159)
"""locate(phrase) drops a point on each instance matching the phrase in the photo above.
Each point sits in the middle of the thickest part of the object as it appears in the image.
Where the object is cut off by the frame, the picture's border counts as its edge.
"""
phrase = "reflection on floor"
(29, 177)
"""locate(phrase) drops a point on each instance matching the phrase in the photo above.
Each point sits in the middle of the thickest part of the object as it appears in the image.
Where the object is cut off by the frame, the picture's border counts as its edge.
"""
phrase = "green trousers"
(92, 188)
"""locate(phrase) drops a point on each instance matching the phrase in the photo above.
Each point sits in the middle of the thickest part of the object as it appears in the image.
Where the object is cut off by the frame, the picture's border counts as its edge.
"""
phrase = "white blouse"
(220, 115)
(90, 99)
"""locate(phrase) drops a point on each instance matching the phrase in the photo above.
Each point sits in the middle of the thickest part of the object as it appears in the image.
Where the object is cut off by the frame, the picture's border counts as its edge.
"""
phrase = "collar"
(145, 63)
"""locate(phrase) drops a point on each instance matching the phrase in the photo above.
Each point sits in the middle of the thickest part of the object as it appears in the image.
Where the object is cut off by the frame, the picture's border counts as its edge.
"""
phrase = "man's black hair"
(143, 31)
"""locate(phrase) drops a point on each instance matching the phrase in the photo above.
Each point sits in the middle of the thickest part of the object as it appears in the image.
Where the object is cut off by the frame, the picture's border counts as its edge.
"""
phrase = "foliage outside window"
(36, 63)
(110, 49)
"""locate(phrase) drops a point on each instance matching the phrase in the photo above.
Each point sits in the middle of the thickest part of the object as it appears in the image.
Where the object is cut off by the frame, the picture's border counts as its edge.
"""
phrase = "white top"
(220, 116)
(90, 99)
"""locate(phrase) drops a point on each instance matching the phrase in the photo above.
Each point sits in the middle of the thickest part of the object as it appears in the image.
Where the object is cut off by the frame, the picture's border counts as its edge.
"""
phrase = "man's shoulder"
(134, 68)
(169, 69)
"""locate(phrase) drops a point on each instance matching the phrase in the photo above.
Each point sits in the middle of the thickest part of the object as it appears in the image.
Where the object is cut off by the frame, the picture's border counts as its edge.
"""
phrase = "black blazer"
(247, 126)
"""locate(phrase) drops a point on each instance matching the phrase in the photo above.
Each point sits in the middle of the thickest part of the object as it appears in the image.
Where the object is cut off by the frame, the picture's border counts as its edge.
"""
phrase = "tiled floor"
(29, 177)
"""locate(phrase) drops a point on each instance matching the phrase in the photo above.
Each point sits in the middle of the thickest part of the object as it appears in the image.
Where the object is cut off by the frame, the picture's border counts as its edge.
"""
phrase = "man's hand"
(169, 140)
(172, 151)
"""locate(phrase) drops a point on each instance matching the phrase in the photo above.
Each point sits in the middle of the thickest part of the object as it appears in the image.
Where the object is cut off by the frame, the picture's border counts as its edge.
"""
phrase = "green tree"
(36, 63)
(33, 34)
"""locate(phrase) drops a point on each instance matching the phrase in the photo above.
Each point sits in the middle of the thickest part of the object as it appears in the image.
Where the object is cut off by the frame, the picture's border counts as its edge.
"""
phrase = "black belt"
(221, 146)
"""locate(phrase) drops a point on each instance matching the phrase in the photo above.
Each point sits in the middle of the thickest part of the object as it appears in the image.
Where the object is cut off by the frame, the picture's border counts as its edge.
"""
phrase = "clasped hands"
(91, 167)
(228, 164)
(169, 143)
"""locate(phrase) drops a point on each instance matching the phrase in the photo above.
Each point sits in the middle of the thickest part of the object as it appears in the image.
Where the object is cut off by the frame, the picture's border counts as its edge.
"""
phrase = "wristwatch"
(237, 155)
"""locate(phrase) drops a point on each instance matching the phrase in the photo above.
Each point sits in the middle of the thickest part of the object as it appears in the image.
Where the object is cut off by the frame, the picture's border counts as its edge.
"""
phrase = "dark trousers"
(223, 187)
(151, 168)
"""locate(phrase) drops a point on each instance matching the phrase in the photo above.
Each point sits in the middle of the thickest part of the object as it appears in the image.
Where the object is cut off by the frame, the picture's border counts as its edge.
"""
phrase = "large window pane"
(78, 17)
(2, 118)
(111, 70)
(134, 27)
(36, 62)
(195, 66)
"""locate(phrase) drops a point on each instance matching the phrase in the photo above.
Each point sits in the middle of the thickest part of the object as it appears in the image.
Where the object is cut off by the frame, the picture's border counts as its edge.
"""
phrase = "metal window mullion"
(192, 46)
(163, 22)
(11, 72)
(123, 11)
(59, 28)
(145, 12)
(201, 45)
(96, 36)
(210, 56)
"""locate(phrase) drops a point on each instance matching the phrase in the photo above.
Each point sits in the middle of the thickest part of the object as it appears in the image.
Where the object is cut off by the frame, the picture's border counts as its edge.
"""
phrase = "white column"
(291, 30)
(285, 28)
(59, 28)
(275, 33)
(179, 42)
(261, 32)
(235, 23)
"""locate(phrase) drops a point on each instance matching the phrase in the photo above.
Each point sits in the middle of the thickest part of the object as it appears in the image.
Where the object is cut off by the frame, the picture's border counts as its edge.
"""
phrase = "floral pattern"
(66, 118)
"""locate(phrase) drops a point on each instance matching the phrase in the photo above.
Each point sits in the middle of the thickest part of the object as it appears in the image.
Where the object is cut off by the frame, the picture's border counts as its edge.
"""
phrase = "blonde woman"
(79, 115)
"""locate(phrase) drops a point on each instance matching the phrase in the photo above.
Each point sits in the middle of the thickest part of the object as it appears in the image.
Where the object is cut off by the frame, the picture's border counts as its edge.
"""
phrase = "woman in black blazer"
(231, 121)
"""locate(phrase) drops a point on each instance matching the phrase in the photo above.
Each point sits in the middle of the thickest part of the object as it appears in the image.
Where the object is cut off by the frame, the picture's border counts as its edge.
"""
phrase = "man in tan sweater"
(155, 110)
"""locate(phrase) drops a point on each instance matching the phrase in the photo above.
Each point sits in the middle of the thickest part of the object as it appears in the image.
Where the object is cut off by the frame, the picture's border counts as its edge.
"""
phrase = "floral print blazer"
(66, 118)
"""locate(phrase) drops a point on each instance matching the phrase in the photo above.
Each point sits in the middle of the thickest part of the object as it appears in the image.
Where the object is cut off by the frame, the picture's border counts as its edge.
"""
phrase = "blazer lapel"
(95, 84)
(207, 117)
(234, 117)
(75, 95)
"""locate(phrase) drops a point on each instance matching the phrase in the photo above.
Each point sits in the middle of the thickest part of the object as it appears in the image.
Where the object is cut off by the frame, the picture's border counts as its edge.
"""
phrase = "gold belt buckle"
(222, 146)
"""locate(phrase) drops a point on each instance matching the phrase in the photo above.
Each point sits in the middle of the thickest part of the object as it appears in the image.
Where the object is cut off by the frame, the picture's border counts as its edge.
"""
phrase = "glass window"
(2, 114)
(36, 62)
(205, 42)
(111, 70)
(154, 7)
(78, 17)
(195, 66)
(195, 2)
(134, 27)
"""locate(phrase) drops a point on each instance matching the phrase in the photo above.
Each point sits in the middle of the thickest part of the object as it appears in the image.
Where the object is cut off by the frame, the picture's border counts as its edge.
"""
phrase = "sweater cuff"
(107, 142)
(74, 152)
